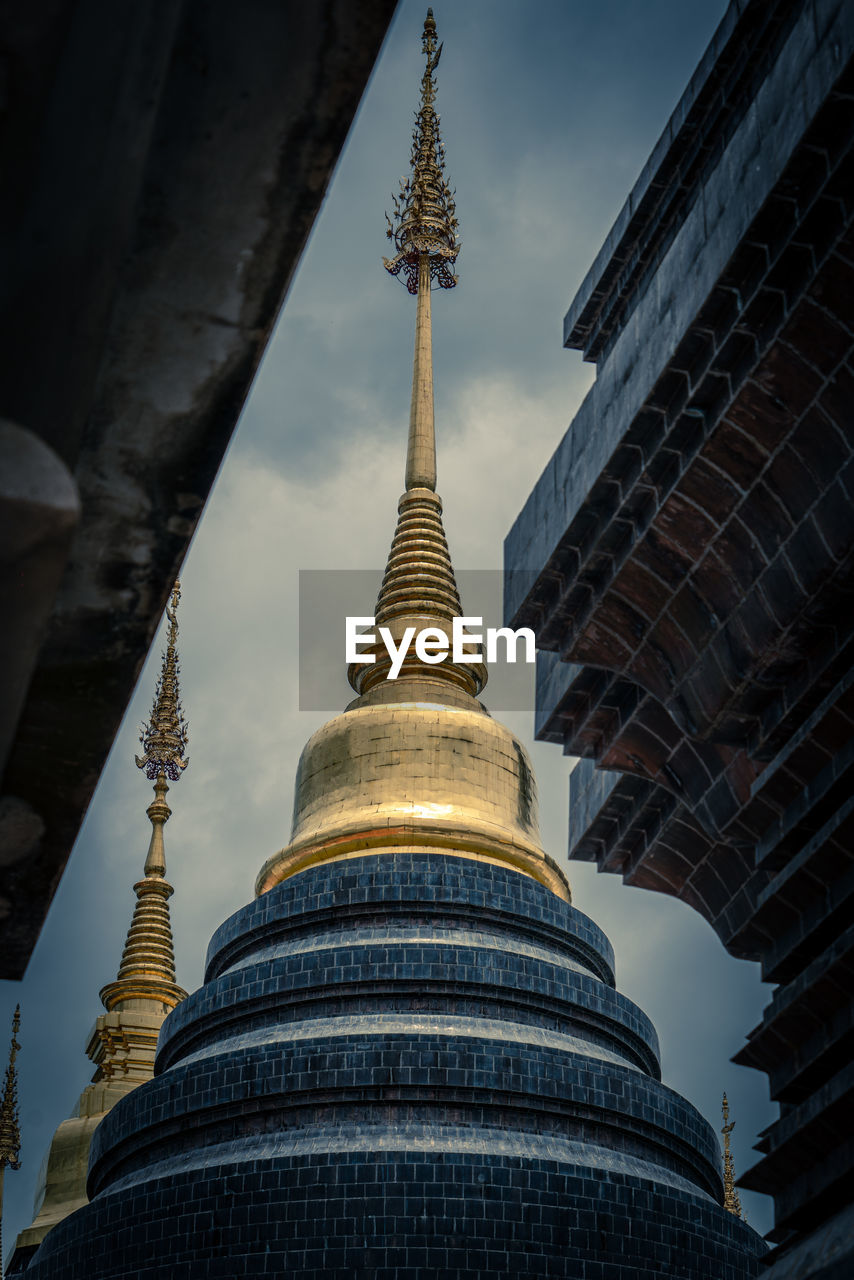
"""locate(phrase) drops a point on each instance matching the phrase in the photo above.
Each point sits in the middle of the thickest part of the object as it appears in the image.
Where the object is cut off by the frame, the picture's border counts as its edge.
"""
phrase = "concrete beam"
(169, 161)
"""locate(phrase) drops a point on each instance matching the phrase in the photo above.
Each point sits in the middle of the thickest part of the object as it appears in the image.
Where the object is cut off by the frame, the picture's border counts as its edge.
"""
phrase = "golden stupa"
(417, 763)
(123, 1040)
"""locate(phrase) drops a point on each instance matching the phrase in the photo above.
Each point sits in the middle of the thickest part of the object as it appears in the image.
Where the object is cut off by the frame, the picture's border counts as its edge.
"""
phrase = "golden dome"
(415, 763)
(401, 776)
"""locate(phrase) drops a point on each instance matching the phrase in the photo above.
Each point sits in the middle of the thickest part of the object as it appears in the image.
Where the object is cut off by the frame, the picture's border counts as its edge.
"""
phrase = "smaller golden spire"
(147, 969)
(732, 1201)
(10, 1130)
(164, 739)
(10, 1133)
(123, 1042)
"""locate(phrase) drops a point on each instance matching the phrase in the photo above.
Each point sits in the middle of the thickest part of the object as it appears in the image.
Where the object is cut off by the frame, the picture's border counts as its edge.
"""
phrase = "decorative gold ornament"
(732, 1202)
(10, 1132)
(10, 1129)
(424, 229)
(164, 738)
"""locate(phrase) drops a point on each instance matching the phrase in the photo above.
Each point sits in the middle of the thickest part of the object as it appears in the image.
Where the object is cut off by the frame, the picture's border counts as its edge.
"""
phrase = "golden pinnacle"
(10, 1131)
(425, 223)
(732, 1201)
(164, 738)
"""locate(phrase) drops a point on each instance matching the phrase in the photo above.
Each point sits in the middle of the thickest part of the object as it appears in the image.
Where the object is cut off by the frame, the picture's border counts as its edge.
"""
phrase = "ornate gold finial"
(10, 1131)
(164, 739)
(425, 223)
(732, 1201)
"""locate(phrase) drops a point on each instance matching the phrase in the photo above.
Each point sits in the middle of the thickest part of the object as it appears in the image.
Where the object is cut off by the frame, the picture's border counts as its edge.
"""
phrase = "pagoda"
(123, 1040)
(408, 1059)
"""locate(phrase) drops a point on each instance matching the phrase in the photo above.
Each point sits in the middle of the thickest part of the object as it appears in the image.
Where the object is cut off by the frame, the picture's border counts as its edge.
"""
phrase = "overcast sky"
(549, 109)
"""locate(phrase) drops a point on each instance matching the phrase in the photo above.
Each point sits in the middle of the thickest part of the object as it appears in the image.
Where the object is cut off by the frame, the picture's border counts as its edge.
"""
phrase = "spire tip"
(164, 738)
(10, 1132)
(732, 1201)
(425, 222)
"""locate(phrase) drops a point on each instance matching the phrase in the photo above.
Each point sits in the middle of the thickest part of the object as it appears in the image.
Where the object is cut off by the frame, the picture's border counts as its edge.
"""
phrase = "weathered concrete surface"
(39, 510)
(169, 161)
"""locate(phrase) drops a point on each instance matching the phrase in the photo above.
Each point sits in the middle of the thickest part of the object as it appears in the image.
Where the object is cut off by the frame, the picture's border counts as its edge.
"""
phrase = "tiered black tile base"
(401, 1068)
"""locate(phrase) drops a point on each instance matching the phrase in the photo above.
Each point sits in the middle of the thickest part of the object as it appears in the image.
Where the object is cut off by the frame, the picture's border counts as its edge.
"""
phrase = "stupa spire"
(147, 969)
(419, 587)
(416, 763)
(10, 1131)
(424, 232)
(732, 1201)
(123, 1041)
(164, 738)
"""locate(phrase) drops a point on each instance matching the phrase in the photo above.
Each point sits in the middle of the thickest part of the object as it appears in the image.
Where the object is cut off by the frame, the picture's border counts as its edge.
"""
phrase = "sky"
(549, 110)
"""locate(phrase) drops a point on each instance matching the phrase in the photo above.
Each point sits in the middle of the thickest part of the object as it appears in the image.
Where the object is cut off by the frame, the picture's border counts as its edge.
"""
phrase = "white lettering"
(397, 653)
(352, 639)
(458, 630)
(511, 639)
(431, 645)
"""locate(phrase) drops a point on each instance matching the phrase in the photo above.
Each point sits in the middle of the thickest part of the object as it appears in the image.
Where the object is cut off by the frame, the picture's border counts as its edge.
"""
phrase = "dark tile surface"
(402, 1067)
